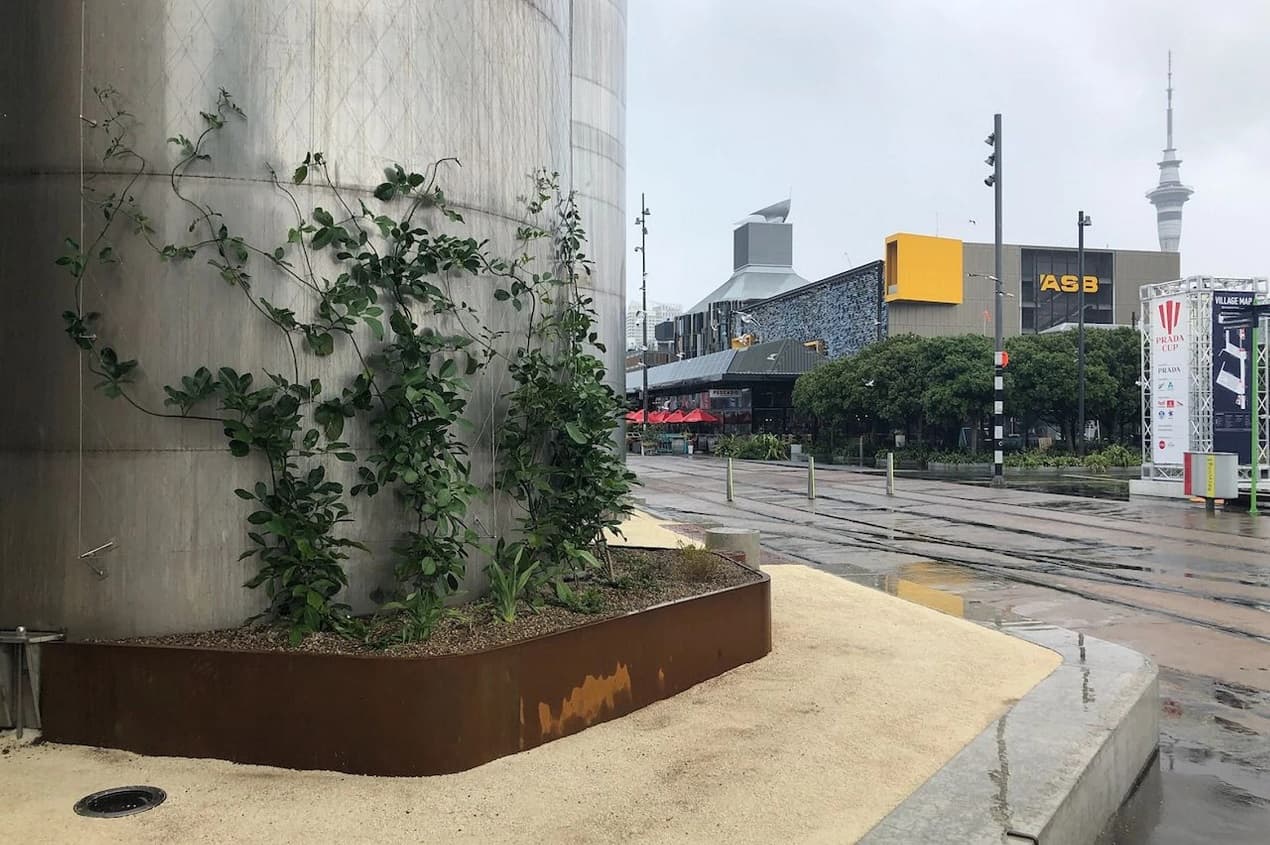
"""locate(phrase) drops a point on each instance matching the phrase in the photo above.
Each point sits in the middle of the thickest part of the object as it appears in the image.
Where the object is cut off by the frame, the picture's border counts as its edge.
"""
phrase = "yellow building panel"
(921, 268)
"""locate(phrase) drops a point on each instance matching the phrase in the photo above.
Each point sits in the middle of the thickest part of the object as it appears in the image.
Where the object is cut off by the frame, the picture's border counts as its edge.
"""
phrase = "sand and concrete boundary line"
(1052, 770)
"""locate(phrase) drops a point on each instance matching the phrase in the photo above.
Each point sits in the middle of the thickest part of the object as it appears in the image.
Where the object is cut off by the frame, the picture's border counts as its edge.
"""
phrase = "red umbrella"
(635, 416)
(657, 417)
(675, 416)
(696, 415)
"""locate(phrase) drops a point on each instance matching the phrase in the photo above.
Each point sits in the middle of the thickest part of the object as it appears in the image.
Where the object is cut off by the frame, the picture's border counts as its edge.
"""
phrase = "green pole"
(1256, 422)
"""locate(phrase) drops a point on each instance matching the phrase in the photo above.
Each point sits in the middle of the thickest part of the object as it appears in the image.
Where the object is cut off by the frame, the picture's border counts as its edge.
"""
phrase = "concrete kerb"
(1056, 767)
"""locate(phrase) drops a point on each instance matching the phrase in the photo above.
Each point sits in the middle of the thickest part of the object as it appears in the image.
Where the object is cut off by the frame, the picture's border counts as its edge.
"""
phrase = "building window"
(1050, 289)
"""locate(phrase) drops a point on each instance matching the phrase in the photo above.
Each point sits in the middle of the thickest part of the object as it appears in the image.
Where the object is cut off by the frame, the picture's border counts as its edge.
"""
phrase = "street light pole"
(998, 358)
(642, 249)
(1081, 222)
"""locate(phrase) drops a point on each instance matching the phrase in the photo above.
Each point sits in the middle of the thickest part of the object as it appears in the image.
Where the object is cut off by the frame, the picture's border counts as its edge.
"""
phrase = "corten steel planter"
(380, 715)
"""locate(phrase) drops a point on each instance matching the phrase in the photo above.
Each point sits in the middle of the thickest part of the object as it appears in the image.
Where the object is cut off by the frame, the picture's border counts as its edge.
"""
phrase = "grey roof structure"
(762, 259)
(753, 282)
(778, 359)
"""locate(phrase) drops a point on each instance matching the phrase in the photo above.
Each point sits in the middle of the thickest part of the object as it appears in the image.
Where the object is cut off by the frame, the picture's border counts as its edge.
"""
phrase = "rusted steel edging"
(383, 715)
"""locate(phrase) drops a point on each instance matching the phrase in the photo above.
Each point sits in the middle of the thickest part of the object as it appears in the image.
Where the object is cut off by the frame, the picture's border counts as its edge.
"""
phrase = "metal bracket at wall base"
(21, 651)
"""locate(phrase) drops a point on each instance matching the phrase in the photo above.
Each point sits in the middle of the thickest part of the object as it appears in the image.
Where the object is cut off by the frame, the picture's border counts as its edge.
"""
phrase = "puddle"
(938, 586)
(1112, 489)
(1193, 792)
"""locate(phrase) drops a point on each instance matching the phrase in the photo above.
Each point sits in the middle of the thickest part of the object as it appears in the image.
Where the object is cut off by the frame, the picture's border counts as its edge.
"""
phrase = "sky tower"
(1170, 194)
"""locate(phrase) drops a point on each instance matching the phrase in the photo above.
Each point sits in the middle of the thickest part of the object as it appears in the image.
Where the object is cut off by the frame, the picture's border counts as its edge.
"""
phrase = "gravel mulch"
(647, 577)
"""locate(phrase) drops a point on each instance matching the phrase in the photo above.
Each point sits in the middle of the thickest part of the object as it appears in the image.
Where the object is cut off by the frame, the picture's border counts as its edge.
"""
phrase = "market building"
(750, 390)
(932, 286)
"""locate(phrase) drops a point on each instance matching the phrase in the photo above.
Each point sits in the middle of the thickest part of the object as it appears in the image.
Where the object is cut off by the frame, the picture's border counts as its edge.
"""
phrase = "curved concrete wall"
(369, 84)
(599, 162)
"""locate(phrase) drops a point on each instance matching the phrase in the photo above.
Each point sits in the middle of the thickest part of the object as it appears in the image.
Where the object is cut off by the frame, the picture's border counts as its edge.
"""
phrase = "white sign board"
(1170, 379)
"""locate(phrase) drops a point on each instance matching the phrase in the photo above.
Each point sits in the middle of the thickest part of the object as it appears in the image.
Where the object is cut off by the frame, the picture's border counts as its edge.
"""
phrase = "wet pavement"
(1189, 590)
(1084, 484)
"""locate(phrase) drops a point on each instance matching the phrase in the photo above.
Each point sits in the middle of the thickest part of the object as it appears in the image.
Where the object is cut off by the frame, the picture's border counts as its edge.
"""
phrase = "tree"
(1117, 353)
(945, 383)
(958, 384)
(897, 369)
(1040, 381)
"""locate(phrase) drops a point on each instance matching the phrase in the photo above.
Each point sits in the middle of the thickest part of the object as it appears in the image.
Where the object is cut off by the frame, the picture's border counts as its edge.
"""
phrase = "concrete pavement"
(861, 701)
(1187, 589)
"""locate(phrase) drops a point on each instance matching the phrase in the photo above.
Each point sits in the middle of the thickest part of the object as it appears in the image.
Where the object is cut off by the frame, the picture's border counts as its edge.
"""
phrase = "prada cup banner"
(1170, 380)
(1232, 371)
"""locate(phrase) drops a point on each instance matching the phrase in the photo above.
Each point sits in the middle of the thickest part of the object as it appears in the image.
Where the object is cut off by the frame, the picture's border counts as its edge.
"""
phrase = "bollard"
(744, 541)
(890, 473)
(811, 477)
(731, 491)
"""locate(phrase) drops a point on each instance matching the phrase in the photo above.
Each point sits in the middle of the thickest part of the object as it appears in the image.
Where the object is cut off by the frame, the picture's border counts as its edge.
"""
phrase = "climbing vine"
(380, 279)
(557, 455)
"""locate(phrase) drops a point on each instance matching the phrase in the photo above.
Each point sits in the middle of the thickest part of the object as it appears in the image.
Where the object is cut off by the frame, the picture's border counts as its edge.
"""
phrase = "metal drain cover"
(120, 801)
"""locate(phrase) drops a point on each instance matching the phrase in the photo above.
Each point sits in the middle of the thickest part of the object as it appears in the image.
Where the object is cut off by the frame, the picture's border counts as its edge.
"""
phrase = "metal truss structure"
(1198, 292)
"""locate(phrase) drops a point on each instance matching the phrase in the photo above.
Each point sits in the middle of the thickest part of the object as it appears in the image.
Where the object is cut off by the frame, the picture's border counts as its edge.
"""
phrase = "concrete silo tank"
(491, 82)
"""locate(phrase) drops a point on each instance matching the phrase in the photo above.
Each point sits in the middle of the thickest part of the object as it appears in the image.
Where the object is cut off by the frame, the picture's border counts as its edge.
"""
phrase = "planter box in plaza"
(384, 715)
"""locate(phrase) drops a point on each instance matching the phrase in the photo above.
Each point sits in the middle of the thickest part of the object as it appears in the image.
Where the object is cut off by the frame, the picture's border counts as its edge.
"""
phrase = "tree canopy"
(932, 388)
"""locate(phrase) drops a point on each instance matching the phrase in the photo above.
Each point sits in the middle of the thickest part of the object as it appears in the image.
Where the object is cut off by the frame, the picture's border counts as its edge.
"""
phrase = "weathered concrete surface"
(505, 86)
(862, 699)
(743, 540)
(1169, 581)
(1057, 764)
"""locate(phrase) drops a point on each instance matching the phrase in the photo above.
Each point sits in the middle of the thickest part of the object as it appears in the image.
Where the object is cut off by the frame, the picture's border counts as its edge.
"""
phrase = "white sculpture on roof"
(776, 213)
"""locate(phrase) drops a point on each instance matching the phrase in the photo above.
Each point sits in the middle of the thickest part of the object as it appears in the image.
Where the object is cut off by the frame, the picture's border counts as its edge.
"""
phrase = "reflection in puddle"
(938, 586)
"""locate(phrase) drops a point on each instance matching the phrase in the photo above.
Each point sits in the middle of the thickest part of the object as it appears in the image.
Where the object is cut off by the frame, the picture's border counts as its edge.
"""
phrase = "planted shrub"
(697, 565)
(383, 285)
(508, 579)
(556, 455)
(758, 447)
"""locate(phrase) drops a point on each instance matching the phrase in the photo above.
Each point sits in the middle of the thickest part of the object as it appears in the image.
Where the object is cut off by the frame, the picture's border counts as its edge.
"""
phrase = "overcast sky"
(874, 113)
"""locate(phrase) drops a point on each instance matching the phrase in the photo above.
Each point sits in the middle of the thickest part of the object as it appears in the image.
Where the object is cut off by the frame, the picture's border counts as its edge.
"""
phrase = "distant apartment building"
(658, 312)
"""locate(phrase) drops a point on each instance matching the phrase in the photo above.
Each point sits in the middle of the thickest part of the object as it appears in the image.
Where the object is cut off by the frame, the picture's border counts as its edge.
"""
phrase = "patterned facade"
(845, 311)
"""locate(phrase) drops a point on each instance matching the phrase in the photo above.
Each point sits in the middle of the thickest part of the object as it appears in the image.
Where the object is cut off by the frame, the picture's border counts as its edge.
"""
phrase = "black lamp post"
(1082, 220)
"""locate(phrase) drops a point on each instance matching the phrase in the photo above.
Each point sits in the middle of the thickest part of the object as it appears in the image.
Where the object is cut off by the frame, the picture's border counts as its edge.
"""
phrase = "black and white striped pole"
(998, 359)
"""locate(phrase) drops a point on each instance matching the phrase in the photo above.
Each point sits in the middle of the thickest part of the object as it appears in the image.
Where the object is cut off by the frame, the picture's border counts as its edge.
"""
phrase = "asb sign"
(1232, 373)
(1068, 284)
(1170, 380)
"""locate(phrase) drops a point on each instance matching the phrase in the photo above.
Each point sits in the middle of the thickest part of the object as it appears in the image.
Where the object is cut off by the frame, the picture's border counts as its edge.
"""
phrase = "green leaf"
(376, 327)
(385, 191)
(238, 448)
(575, 433)
(301, 173)
(322, 344)
(244, 494)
